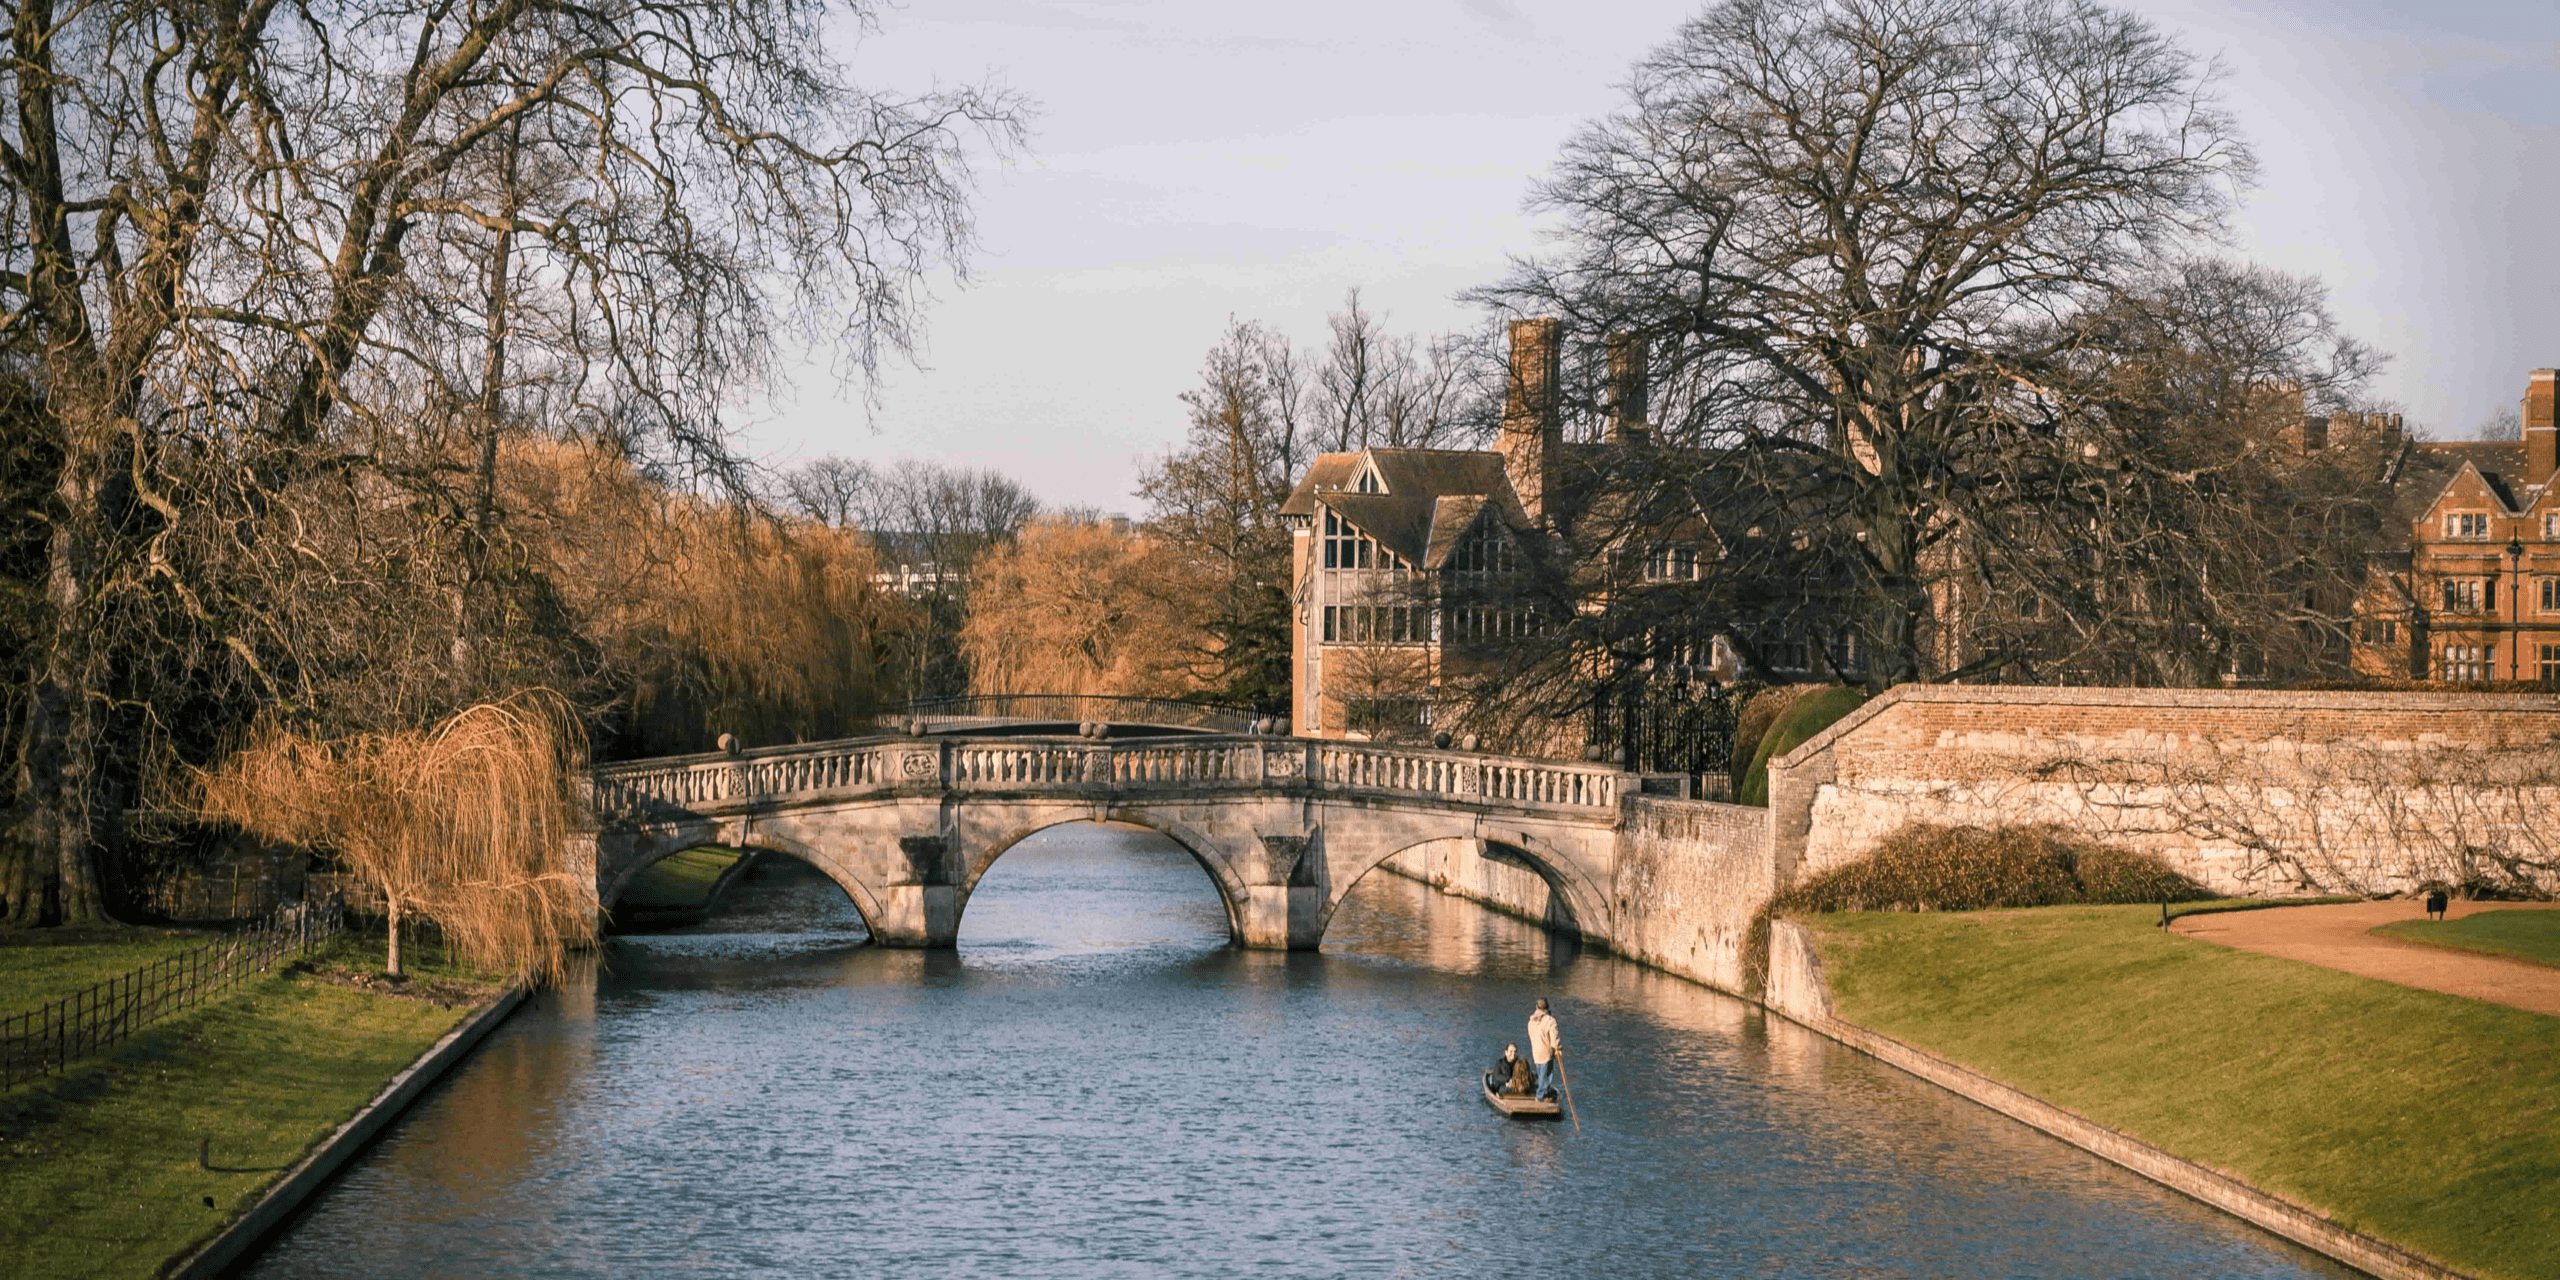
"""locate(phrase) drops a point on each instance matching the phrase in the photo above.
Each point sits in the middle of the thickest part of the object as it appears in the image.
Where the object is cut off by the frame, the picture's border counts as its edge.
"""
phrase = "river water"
(1096, 1084)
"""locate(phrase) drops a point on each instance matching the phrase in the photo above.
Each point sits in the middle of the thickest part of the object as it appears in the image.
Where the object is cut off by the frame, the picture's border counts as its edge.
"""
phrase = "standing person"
(1546, 1047)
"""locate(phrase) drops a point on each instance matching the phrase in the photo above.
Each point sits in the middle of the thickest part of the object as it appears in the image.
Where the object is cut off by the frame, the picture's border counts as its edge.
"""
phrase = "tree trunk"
(58, 756)
(391, 964)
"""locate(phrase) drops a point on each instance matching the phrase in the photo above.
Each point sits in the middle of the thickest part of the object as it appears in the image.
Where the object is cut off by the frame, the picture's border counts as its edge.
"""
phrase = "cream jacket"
(1543, 1041)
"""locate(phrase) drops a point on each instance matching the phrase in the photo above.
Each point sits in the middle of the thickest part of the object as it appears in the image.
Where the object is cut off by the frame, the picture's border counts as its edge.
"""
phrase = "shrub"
(1804, 717)
(1924, 867)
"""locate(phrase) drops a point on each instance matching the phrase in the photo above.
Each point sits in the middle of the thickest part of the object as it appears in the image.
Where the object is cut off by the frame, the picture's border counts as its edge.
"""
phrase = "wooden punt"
(1520, 1108)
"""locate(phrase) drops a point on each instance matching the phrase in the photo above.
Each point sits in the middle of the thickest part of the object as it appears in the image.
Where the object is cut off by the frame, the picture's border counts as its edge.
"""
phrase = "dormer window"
(1677, 562)
(1368, 481)
(2467, 526)
(1345, 547)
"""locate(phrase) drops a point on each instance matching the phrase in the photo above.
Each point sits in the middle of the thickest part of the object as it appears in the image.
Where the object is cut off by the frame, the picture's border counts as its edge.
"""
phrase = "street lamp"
(2515, 606)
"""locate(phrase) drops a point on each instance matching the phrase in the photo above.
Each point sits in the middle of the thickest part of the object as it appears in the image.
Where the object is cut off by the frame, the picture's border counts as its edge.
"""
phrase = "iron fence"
(44, 1040)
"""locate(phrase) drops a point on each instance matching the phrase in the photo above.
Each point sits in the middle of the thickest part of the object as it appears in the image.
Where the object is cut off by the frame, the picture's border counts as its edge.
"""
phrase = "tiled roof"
(1432, 497)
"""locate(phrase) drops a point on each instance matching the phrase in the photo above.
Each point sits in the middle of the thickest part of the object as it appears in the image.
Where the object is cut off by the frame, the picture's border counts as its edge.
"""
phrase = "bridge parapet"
(854, 768)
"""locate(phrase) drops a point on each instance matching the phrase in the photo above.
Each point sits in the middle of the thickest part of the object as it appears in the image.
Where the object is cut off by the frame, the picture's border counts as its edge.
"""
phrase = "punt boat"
(1520, 1108)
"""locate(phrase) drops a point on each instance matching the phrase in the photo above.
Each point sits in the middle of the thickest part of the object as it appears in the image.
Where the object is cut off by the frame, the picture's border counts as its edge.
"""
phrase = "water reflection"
(1096, 1084)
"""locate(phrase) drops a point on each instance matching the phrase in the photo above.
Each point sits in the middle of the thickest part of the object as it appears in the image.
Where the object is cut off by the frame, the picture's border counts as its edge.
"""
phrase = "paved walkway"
(2338, 936)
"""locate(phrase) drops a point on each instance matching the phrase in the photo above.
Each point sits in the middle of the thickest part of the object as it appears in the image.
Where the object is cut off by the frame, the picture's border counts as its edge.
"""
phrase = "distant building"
(2477, 594)
(1404, 558)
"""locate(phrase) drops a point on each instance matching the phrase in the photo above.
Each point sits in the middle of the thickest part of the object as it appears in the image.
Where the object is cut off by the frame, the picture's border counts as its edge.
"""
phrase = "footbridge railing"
(856, 768)
(1057, 708)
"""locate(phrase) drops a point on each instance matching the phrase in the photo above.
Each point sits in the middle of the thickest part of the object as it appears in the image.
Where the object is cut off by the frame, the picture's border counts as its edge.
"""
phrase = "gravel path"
(2338, 936)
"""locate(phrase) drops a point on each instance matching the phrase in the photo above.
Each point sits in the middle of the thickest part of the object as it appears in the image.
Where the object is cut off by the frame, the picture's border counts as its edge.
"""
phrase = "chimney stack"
(1629, 365)
(2541, 428)
(1532, 439)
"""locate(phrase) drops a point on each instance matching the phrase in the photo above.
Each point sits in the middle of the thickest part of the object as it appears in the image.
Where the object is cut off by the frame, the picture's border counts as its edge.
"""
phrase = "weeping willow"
(468, 823)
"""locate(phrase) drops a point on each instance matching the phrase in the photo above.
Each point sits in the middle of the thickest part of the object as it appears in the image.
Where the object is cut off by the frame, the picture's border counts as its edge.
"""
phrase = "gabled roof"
(2435, 466)
(1433, 496)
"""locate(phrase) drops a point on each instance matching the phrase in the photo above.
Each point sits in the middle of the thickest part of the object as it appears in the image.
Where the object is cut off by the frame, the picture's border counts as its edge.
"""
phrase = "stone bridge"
(1284, 826)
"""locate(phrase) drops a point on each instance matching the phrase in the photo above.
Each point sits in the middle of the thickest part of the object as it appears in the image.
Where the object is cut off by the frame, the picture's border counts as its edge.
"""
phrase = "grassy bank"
(681, 882)
(2517, 935)
(44, 965)
(98, 1172)
(2424, 1119)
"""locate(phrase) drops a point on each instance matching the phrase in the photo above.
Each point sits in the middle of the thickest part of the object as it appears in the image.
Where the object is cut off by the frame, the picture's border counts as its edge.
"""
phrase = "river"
(1096, 1084)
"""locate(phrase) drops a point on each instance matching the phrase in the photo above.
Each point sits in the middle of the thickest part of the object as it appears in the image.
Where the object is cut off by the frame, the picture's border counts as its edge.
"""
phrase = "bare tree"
(259, 248)
(842, 493)
(1375, 388)
(1215, 500)
(1854, 231)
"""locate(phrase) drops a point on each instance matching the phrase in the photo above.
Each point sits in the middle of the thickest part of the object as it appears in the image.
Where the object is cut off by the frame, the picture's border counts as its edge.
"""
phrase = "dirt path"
(2338, 936)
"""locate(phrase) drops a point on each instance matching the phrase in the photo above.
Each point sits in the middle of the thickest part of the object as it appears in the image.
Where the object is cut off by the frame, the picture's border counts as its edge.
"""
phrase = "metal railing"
(850, 770)
(1078, 708)
(44, 1040)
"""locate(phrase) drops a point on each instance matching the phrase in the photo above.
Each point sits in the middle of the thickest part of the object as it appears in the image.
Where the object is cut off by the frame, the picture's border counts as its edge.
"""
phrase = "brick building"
(2477, 594)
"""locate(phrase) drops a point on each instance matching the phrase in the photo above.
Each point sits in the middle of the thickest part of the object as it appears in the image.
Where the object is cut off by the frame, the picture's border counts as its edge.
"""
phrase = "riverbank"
(99, 1167)
(2422, 1119)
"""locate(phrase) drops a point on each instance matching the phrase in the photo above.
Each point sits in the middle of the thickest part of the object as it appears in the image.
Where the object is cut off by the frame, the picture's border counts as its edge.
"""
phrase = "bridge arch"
(1204, 850)
(865, 903)
(1585, 906)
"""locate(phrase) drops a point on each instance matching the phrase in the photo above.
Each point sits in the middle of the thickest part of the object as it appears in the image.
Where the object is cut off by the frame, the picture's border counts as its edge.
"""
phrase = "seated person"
(1511, 1074)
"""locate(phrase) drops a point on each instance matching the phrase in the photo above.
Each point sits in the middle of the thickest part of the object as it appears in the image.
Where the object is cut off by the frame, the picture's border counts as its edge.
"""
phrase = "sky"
(1194, 162)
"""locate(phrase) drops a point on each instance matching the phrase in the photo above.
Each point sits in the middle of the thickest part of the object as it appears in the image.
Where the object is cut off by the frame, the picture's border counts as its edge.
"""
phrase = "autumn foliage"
(1082, 607)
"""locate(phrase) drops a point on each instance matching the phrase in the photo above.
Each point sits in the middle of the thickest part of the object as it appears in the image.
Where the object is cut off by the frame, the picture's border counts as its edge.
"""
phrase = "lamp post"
(2515, 606)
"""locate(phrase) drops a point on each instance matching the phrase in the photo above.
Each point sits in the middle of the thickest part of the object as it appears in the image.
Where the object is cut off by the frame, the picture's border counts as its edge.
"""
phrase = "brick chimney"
(1629, 365)
(1532, 439)
(2541, 429)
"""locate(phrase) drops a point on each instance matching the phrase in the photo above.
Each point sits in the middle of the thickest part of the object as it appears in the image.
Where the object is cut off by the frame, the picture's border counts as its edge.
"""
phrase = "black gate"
(1671, 726)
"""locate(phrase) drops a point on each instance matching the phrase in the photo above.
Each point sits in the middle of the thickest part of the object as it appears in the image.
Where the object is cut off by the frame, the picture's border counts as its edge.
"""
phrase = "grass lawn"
(98, 1172)
(2424, 1119)
(2517, 935)
(679, 882)
(44, 965)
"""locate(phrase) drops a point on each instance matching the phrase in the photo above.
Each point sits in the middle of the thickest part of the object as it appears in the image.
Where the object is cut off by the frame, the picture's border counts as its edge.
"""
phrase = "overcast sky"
(1196, 161)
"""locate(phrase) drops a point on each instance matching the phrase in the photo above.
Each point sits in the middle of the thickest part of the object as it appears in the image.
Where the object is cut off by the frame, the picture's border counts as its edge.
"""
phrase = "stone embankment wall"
(2248, 791)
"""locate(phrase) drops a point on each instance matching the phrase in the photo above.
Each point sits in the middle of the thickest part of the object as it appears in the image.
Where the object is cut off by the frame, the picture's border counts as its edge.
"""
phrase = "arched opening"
(1087, 886)
(766, 887)
(1463, 901)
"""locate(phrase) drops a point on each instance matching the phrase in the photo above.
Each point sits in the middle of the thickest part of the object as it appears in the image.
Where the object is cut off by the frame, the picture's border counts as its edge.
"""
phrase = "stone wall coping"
(2303, 700)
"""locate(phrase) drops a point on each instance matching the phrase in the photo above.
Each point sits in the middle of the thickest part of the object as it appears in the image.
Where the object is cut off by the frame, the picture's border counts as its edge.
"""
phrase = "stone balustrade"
(853, 768)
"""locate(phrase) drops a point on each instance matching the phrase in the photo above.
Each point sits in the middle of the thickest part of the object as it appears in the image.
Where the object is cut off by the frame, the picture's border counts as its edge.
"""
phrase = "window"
(2466, 662)
(1487, 551)
(1376, 624)
(1844, 652)
(2551, 526)
(2550, 589)
(2471, 526)
(2379, 630)
(1368, 482)
(1478, 623)
(1345, 547)
(2462, 595)
(1786, 655)
(1386, 715)
(2550, 664)
(1677, 562)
